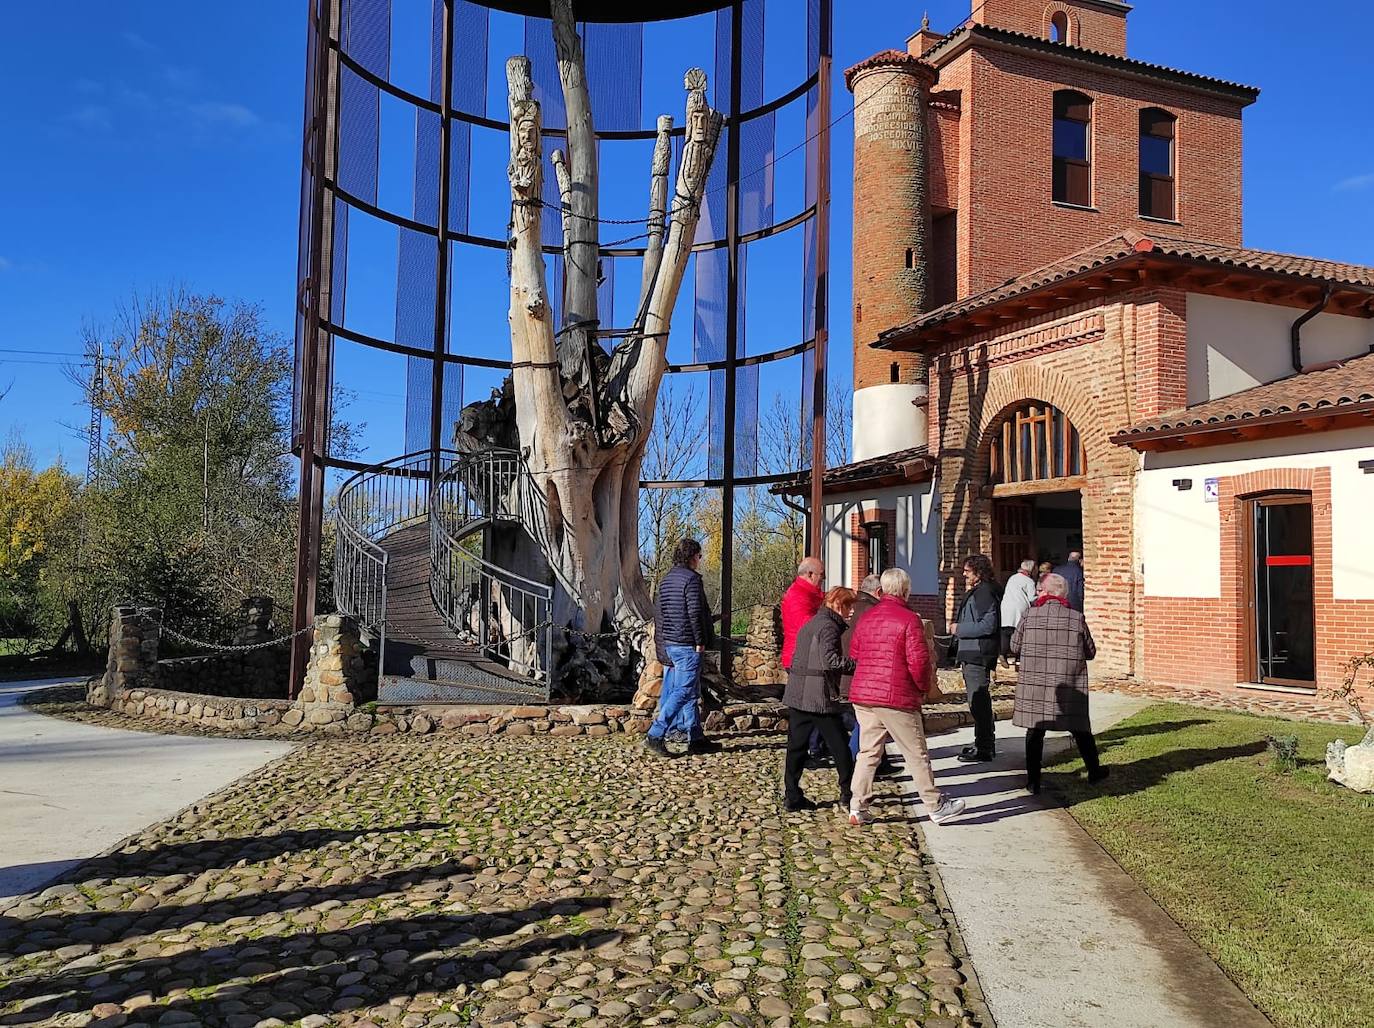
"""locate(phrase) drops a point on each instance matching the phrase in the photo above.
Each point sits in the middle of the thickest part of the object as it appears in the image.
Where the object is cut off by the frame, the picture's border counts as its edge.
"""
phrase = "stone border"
(165, 710)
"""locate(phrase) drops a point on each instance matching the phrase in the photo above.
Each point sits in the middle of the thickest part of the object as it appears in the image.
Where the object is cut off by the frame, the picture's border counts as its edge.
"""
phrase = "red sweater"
(799, 605)
(889, 644)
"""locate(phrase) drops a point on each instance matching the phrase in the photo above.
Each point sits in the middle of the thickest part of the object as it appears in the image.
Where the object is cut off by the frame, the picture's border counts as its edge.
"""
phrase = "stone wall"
(255, 674)
(134, 635)
(758, 662)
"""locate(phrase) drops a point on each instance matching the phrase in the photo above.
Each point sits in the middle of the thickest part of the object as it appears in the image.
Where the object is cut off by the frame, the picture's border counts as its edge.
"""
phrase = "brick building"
(1061, 343)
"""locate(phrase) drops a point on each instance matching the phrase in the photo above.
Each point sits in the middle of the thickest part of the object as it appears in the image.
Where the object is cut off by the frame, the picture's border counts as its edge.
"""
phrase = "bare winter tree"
(581, 417)
(675, 446)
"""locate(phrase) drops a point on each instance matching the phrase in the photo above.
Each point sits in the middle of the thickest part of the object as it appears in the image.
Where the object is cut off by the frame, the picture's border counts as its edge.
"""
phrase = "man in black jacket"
(682, 631)
(979, 631)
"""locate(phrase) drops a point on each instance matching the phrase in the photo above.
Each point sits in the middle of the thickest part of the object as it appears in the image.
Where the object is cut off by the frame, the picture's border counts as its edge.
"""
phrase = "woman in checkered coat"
(1054, 645)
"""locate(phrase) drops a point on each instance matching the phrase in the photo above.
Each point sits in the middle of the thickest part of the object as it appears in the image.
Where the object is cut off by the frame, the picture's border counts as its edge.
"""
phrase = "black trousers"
(836, 737)
(1035, 751)
(978, 688)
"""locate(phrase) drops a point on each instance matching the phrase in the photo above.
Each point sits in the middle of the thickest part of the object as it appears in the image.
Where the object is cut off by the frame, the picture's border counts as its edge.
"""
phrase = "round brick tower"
(891, 246)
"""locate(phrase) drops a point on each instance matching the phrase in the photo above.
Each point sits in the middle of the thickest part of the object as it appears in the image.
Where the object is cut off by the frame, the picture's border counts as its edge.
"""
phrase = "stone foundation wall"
(258, 674)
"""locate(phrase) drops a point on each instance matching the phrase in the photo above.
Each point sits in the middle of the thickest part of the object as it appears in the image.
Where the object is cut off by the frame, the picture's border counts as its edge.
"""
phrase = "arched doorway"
(1037, 467)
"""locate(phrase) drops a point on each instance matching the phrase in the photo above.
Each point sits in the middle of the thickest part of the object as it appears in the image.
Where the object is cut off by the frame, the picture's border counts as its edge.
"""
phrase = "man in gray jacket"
(1016, 600)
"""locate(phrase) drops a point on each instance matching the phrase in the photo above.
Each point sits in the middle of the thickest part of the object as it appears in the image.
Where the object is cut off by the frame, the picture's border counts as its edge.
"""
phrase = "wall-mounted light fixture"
(1183, 484)
(1367, 466)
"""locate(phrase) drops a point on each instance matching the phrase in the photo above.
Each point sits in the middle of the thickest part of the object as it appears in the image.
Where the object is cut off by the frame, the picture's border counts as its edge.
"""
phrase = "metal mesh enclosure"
(403, 290)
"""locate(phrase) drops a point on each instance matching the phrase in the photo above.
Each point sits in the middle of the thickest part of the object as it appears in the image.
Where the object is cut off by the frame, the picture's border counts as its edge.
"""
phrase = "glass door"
(1284, 618)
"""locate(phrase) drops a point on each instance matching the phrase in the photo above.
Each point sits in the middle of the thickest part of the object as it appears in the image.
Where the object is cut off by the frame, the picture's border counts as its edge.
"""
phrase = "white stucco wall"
(1180, 533)
(885, 420)
(1237, 344)
(916, 548)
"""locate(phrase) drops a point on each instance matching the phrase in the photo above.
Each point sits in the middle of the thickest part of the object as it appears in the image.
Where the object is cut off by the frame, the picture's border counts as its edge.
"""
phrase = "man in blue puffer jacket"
(682, 632)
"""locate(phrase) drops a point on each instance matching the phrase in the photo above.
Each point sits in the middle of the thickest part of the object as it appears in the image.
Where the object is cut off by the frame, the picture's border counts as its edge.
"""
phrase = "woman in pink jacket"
(895, 672)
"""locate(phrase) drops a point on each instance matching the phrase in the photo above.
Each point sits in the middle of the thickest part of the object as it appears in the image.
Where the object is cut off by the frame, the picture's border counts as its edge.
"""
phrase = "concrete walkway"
(1059, 935)
(69, 791)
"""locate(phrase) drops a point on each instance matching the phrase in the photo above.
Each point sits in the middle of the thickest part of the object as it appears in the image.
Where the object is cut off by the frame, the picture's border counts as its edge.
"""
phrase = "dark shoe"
(971, 755)
(1096, 776)
(845, 802)
(1033, 786)
(697, 747)
(801, 803)
(657, 747)
(887, 769)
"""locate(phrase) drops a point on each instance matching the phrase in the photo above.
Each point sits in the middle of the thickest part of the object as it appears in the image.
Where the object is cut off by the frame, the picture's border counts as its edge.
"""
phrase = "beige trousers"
(908, 731)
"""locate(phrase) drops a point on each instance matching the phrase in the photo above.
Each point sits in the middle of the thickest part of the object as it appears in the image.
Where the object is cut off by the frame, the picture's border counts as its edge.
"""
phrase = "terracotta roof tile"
(1127, 245)
(1241, 91)
(887, 58)
(1329, 391)
(860, 471)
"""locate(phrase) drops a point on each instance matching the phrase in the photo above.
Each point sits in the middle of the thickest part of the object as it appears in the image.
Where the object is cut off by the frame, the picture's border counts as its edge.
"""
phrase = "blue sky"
(150, 141)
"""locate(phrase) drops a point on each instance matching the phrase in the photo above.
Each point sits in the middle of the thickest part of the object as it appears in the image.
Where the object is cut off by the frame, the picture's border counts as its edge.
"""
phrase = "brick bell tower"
(892, 234)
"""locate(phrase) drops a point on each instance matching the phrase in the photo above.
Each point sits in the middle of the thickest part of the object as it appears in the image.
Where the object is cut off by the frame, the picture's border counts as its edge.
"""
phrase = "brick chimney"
(891, 246)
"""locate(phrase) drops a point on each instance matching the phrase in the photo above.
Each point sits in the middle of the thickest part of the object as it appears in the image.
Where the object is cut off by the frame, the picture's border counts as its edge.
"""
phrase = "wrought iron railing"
(506, 615)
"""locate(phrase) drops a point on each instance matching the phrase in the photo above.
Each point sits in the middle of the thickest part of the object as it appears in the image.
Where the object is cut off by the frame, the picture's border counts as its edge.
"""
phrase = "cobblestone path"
(537, 882)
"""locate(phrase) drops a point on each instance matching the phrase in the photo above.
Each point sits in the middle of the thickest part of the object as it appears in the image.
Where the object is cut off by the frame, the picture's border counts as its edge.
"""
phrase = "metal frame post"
(436, 395)
(322, 137)
(732, 245)
(816, 522)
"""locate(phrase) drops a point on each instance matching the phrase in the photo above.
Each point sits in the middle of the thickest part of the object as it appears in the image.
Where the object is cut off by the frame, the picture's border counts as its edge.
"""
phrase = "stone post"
(333, 677)
(255, 620)
(135, 633)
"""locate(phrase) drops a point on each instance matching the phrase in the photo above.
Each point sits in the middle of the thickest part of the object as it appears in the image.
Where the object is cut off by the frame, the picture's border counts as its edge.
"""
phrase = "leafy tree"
(193, 504)
(37, 527)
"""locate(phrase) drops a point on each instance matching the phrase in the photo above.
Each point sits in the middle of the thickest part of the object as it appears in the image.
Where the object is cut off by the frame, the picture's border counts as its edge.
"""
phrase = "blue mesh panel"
(551, 229)
(418, 384)
(453, 402)
(425, 207)
(708, 344)
(615, 74)
(747, 421)
(553, 278)
(416, 270)
(605, 296)
(459, 175)
(808, 368)
(809, 266)
(359, 115)
(367, 34)
(813, 35)
(436, 52)
(758, 134)
(339, 283)
(548, 91)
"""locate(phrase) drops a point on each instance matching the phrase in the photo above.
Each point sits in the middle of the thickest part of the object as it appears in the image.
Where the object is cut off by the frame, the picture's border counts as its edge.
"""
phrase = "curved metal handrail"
(508, 616)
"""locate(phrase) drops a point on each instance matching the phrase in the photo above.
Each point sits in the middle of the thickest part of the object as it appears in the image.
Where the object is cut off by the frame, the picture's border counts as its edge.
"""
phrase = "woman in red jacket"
(895, 672)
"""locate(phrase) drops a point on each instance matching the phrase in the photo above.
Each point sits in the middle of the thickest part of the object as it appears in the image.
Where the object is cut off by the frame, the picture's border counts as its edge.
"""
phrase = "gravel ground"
(443, 880)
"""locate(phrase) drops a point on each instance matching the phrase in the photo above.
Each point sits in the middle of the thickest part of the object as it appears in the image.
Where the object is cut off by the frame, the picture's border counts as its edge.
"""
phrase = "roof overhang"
(1244, 429)
(1124, 273)
(836, 481)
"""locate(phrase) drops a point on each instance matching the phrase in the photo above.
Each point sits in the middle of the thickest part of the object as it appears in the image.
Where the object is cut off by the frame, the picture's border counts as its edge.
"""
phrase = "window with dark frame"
(876, 533)
(1072, 148)
(1035, 442)
(1157, 164)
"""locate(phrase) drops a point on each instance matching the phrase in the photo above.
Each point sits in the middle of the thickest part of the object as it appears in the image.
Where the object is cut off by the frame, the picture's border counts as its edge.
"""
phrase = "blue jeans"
(677, 701)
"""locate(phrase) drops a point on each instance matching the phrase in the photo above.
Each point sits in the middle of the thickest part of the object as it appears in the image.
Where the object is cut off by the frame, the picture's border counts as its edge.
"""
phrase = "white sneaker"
(859, 817)
(947, 809)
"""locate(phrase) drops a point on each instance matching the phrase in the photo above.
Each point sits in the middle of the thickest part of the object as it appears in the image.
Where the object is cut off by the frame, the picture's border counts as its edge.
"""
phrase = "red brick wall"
(1091, 25)
(1203, 642)
(1009, 222)
(892, 221)
(1161, 348)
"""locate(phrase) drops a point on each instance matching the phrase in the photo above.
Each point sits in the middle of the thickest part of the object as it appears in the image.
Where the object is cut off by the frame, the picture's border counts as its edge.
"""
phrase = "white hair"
(810, 564)
(896, 582)
(1028, 566)
(1054, 585)
(871, 584)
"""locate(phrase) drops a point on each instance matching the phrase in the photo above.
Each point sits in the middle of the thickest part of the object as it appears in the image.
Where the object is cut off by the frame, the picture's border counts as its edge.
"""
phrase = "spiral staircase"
(413, 542)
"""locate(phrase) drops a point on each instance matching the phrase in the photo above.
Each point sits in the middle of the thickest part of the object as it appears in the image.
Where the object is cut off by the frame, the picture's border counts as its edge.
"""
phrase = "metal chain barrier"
(230, 647)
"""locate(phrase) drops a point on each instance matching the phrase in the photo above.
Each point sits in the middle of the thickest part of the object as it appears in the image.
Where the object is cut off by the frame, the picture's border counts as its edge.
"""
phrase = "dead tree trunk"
(582, 416)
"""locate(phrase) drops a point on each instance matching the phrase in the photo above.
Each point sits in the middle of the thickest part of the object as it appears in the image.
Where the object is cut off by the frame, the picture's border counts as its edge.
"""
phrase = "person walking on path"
(870, 589)
(682, 631)
(800, 603)
(895, 672)
(1055, 646)
(978, 634)
(812, 697)
(1016, 600)
(1072, 573)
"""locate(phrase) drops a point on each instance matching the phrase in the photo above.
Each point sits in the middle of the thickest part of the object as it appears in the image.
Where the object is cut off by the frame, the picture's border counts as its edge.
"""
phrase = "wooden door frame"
(1249, 572)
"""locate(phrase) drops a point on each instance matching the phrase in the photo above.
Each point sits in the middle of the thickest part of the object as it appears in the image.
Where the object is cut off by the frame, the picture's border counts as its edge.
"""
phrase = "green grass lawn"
(1271, 873)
